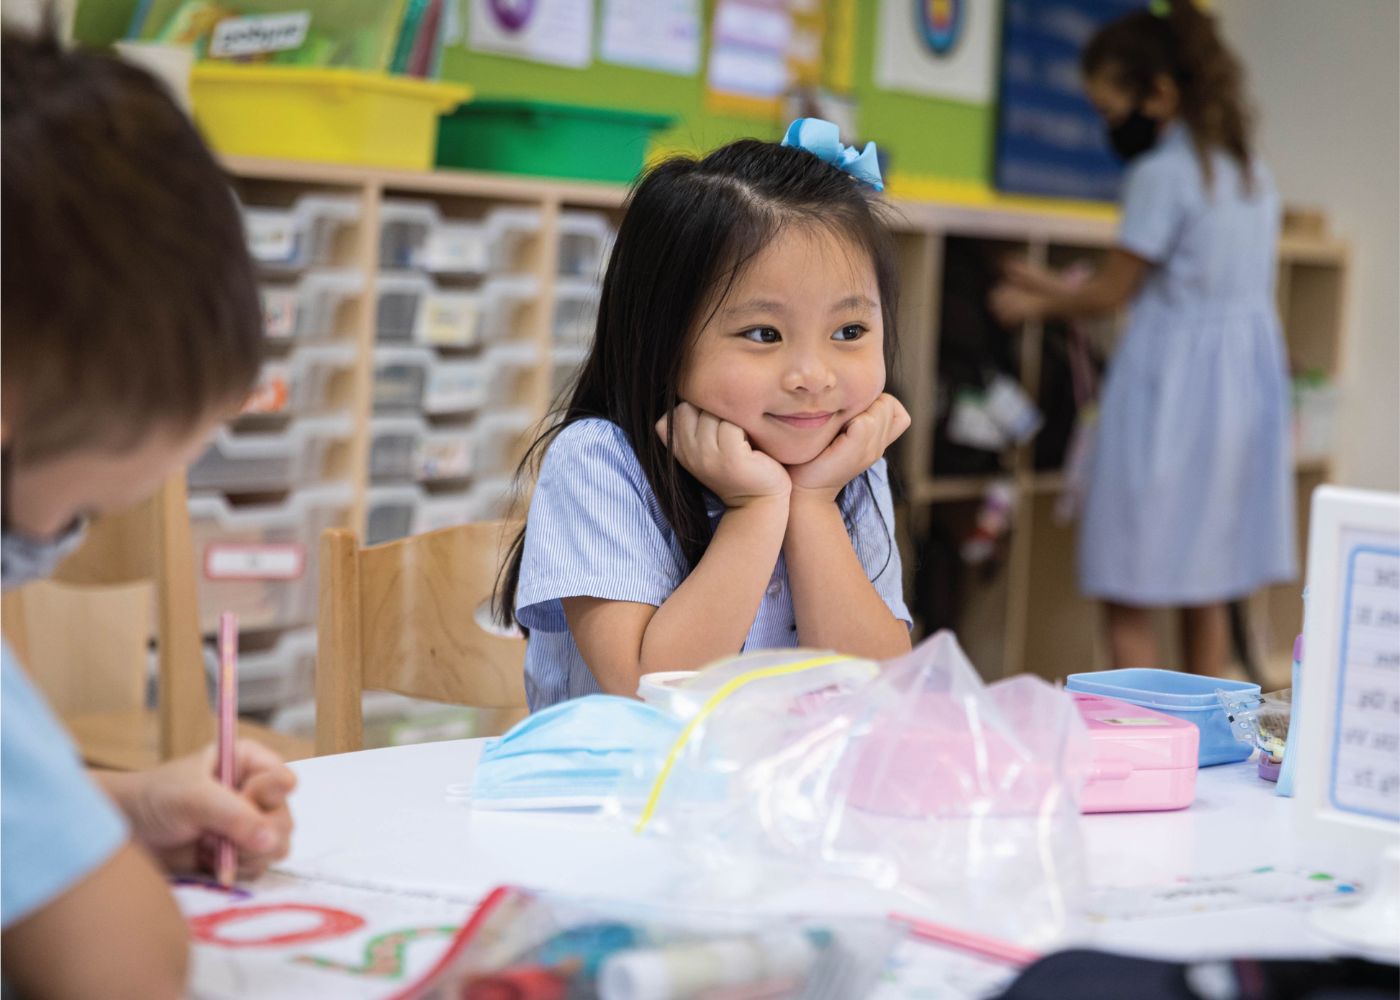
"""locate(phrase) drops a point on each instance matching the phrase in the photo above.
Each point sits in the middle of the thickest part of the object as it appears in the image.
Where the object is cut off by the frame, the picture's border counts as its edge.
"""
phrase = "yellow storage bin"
(324, 115)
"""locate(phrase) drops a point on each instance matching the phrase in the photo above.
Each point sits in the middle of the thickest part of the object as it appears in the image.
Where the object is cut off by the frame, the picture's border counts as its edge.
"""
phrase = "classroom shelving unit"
(1027, 615)
(419, 325)
(365, 466)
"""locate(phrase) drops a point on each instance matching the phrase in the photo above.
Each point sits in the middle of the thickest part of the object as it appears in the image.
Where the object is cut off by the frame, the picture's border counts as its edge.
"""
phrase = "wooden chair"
(83, 637)
(403, 616)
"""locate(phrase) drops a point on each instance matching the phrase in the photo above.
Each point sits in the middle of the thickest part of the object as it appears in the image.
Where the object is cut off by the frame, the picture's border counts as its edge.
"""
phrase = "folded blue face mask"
(571, 755)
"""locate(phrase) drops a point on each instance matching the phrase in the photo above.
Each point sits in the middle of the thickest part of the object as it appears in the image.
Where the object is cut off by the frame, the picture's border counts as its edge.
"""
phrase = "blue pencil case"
(1186, 696)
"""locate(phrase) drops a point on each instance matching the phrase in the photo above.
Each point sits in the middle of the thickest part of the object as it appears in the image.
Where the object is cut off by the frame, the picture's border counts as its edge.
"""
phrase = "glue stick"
(683, 970)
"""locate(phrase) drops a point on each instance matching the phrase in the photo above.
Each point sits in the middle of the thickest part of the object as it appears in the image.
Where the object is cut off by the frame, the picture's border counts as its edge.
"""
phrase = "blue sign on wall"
(1050, 140)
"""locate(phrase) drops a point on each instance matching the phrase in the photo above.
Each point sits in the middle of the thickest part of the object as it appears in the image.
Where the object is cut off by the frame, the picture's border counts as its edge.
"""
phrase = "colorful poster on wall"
(938, 48)
(550, 31)
(748, 68)
(662, 35)
(804, 57)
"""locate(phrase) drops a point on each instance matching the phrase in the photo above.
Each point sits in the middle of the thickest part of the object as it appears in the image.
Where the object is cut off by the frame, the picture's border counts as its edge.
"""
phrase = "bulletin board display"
(1049, 139)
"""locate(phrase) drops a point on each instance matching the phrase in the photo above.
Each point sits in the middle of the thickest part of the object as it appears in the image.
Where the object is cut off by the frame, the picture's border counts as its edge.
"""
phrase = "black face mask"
(1133, 136)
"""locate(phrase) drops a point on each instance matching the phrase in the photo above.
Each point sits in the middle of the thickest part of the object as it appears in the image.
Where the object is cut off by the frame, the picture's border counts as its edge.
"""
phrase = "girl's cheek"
(867, 390)
(735, 399)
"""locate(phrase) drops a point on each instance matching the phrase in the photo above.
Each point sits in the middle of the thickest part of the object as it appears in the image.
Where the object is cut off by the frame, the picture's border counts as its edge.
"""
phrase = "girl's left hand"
(859, 445)
(176, 808)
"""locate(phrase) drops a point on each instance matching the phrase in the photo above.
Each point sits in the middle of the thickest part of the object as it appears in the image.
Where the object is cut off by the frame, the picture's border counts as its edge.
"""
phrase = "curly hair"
(1183, 44)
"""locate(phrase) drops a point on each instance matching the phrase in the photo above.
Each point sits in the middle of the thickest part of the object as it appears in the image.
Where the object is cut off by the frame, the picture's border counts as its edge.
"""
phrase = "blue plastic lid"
(1172, 690)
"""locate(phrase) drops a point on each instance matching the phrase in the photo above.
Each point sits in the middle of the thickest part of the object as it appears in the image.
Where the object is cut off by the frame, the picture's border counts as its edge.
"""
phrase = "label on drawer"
(270, 396)
(279, 313)
(232, 561)
(456, 249)
(249, 36)
(448, 319)
(444, 459)
(272, 236)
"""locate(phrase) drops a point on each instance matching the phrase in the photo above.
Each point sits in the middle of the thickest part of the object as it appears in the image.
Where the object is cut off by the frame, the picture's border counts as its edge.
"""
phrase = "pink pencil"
(977, 944)
(227, 867)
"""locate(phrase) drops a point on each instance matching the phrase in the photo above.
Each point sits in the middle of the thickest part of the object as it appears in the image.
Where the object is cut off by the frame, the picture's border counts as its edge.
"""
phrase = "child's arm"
(709, 615)
(835, 604)
(1040, 280)
(1032, 294)
(116, 933)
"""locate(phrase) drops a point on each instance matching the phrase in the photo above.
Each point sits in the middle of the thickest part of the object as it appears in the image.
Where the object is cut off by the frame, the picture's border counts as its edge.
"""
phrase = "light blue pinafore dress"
(1191, 493)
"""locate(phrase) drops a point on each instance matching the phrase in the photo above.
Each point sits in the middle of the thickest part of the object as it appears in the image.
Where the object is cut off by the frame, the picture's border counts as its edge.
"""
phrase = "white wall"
(1325, 81)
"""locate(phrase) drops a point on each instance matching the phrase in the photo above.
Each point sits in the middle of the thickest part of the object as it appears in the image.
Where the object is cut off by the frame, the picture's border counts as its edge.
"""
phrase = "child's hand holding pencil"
(177, 810)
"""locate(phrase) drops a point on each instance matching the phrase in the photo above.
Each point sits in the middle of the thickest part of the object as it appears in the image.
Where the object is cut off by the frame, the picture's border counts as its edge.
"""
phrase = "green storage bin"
(549, 140)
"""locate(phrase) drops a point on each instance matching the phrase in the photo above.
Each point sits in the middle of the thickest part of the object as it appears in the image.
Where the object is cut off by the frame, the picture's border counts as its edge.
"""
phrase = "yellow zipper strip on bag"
(727, 689)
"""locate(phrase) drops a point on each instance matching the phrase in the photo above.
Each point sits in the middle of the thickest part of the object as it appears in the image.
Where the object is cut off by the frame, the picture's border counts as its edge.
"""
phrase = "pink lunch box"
(1143, 760)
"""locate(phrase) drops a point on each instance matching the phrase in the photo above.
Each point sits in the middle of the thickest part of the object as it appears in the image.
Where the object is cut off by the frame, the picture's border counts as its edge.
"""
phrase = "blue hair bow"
(823, 140)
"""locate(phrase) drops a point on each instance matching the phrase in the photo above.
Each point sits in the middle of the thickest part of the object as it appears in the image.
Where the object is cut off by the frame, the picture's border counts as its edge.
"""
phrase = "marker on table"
(977, 944)
(226, 868)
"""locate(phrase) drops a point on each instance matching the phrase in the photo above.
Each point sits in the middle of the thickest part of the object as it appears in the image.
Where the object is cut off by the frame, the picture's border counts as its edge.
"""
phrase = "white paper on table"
(1264, 886)
(550, 31)
(290, 937)
(662, 35)
(906, 61)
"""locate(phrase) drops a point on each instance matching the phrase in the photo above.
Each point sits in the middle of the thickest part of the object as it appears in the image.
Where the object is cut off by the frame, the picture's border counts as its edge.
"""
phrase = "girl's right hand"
(1022, 272)
(1013, 304)
(718, 454)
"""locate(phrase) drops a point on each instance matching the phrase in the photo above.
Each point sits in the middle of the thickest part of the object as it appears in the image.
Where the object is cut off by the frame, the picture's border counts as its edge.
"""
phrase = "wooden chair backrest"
(407, 616)
(125, 558)
(84, 647)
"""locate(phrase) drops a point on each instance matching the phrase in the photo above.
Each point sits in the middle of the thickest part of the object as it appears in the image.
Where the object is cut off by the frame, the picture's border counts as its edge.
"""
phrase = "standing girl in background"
(1190, 498)
(715, 482)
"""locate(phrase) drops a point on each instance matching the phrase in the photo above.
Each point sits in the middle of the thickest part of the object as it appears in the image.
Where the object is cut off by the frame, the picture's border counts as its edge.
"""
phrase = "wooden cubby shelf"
(1020, 612)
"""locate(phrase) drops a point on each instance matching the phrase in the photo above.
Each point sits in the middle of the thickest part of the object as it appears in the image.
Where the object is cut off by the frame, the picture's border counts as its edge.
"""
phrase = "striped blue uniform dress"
(1190, 497)
(595, 530)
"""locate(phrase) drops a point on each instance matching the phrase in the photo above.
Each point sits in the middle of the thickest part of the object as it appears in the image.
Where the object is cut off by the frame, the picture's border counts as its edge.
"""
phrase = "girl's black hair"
(1184, 44)
(691, 227)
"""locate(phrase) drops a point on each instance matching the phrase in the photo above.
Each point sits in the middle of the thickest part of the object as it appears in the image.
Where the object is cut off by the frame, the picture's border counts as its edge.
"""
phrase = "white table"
(397, 817)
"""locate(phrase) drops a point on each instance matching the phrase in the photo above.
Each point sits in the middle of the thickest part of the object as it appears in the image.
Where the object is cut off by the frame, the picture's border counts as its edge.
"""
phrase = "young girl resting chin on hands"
(716, 481)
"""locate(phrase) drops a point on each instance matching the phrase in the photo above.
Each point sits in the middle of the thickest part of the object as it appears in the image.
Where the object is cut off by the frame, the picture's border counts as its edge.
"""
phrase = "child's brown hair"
(1175, 38)
(130, 305)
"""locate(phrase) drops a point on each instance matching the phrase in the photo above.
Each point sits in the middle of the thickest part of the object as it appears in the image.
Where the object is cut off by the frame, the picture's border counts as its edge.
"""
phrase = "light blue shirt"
(56, 826)
(595, 529)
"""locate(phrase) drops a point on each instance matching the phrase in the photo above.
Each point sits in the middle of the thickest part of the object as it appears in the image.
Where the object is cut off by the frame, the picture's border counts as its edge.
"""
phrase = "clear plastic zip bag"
(525, 943)
(912, 777)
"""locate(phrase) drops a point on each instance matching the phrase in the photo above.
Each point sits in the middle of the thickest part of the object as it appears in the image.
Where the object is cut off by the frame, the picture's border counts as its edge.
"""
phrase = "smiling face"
(795, 349)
